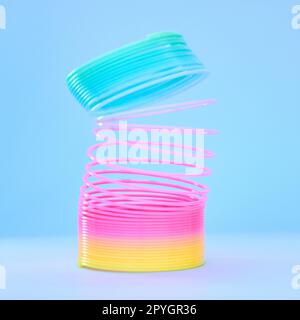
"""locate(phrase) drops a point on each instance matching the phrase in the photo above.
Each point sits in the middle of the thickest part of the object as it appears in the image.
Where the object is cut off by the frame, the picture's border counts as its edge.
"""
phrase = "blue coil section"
(136, 74)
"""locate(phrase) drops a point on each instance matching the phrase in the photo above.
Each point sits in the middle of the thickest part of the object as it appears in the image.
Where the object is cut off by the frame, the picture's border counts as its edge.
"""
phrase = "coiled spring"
(131, 217)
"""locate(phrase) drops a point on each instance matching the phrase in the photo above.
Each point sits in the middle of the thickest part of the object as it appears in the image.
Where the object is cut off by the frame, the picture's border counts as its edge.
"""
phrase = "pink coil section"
(138, 218)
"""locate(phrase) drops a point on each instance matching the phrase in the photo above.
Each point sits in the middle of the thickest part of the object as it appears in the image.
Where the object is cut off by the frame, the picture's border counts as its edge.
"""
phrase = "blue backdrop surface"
(252, 53)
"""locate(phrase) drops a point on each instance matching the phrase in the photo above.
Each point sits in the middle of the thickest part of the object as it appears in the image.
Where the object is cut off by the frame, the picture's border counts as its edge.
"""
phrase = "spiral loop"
(132, 218)
(136, 74)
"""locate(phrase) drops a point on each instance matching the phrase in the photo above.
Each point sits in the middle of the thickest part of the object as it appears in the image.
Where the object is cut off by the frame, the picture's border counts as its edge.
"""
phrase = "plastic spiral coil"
(132, 219)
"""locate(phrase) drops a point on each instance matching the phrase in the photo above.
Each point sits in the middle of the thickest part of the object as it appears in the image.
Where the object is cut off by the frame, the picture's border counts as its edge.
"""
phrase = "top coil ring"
(136, 74)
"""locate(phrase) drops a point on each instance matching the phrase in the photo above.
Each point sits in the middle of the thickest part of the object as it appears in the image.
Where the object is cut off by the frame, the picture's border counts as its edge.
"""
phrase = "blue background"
(253, 56)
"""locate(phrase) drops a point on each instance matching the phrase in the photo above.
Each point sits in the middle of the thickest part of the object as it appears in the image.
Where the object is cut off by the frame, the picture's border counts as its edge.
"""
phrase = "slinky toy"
(130, 218)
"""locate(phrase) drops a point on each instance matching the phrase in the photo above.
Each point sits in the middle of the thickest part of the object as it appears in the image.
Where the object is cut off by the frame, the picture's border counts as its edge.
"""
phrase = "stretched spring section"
(139, 212)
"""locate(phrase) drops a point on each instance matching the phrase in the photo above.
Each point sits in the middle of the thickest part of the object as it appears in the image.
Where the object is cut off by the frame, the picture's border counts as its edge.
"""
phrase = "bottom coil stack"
(139, 220)
(140, 248)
